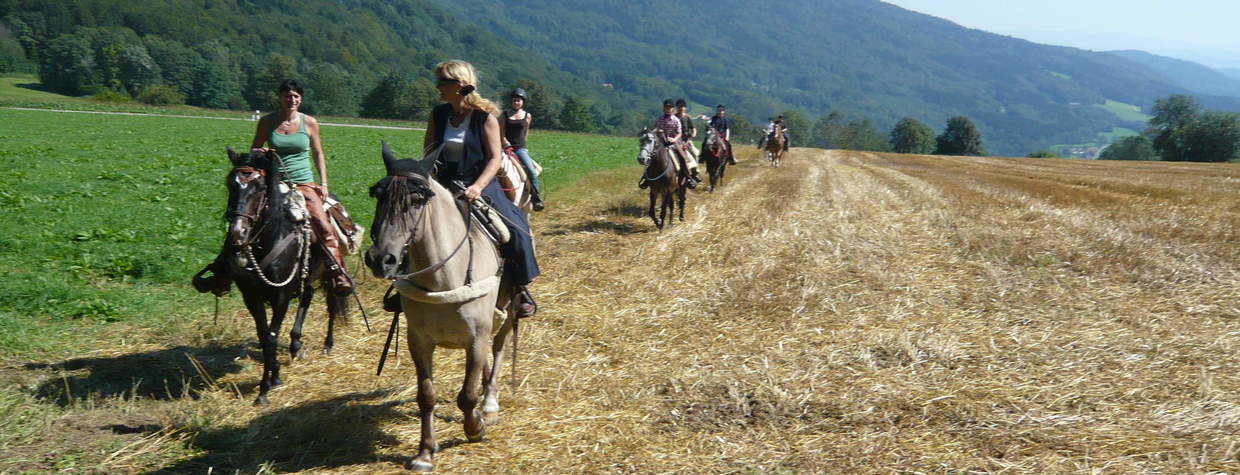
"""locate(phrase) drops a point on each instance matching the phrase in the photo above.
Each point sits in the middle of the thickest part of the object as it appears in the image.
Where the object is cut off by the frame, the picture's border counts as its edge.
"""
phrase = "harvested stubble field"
(848, 312)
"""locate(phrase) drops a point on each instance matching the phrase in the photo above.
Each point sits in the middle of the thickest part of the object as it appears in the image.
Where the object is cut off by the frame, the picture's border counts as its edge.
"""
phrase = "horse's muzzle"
(382, 264)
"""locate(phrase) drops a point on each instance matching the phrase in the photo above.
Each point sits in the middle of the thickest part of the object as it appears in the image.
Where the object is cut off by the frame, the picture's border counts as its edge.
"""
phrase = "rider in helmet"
(668, 128)
(513, 132)
(723, 126)
(688, 132)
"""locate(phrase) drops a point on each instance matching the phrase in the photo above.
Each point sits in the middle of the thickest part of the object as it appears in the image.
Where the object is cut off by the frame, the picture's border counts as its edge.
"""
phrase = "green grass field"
(109, 215)
(1126, 112)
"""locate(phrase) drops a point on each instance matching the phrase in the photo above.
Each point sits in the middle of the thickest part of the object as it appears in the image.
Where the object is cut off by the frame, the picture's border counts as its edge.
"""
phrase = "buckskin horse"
(774, 149)
(716, 155)
(452, 296)
(274, 257)
(661, 176)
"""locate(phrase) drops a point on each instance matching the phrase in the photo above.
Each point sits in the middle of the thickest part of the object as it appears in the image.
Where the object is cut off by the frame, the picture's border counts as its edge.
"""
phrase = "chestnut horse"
(774, 149)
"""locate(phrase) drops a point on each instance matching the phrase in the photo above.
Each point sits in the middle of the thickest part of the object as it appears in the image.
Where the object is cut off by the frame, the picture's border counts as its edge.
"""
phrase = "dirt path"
(846, 312)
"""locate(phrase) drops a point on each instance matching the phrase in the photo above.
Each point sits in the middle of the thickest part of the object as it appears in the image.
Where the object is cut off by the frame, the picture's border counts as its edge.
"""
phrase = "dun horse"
(716, 156)
(662, 177)
(774, 149)
(274, 257)
(449, 289)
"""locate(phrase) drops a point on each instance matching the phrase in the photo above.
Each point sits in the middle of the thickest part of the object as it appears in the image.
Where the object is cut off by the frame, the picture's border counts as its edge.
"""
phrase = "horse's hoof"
(261, 401)
(476, 437)
(327, 351)
(490, 418)
(419, 466)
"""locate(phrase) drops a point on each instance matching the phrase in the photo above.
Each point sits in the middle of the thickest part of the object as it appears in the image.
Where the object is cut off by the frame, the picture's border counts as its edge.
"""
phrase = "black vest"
(475, 159)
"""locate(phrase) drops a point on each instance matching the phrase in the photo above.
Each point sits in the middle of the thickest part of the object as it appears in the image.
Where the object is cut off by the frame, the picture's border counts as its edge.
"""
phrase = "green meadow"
(109, 215)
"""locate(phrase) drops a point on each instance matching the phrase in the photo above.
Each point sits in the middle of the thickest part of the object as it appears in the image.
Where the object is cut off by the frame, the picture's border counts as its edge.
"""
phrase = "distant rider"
(723, 126)
(514, 130)
(667, 126)
(688, 132)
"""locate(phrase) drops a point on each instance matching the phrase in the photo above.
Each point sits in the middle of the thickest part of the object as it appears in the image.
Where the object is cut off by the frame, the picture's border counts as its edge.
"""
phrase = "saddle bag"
(349, 232)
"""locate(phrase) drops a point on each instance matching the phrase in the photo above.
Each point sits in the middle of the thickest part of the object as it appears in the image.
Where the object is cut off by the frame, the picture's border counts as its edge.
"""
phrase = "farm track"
(846, 312)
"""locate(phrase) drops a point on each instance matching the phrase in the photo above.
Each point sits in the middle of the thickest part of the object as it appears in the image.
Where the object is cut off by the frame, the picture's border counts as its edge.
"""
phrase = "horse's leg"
(654, 195)
(294, 335)
(467, 400)
(680, 200)
(335, 306)
(663, 204)
(279, 308)
(423, 353)
(490, 401)
(258, 310)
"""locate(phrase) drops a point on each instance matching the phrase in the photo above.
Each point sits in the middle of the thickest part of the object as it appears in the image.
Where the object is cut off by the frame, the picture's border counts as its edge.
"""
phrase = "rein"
(254, 216)
(434, 267)
(666, 167)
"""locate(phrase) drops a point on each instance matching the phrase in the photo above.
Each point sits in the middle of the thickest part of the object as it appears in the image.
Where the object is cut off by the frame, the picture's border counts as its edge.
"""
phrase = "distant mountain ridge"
(862, 57)
(1190, 75)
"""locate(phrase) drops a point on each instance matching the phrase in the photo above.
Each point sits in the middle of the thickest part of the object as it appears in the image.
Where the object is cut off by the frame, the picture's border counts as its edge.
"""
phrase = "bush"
(1042, 154)
(111, 96)
(161, 95)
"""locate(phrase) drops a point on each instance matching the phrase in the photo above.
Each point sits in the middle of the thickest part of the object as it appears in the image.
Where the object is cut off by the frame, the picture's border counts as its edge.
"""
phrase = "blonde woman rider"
(467, 128)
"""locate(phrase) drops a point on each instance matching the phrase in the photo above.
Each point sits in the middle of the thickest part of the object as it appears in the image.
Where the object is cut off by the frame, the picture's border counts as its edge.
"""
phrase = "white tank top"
(454, 139)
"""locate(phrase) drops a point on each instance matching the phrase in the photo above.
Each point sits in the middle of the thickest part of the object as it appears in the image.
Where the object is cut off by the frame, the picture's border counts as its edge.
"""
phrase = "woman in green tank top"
(295, 137)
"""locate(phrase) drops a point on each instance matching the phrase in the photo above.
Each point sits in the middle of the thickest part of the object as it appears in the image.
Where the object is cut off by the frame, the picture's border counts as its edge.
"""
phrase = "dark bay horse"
(661, 177)
(716, 154)
(447, 273)
(274, 257)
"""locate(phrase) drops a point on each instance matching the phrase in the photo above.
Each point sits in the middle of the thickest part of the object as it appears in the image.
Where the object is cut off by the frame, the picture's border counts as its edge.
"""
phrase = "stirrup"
(527, 308)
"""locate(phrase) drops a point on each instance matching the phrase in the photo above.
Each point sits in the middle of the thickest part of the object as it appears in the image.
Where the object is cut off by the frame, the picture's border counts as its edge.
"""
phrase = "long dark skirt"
(520, 267)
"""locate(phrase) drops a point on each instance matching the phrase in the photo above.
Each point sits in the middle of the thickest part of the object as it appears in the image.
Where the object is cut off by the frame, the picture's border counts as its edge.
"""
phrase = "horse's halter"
(252, 210)
(385, 210)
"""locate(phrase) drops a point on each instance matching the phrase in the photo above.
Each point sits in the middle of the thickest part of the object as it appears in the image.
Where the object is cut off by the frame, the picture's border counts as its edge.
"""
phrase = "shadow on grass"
(163, 374)
(336, 432)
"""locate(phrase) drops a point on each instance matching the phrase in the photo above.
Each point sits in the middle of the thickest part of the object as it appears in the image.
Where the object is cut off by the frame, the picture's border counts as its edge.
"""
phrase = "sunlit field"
(845, 312)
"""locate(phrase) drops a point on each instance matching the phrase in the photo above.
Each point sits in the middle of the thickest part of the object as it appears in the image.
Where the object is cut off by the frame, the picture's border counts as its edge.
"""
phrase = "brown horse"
(774, 149)
(716, 154)
(661, 177)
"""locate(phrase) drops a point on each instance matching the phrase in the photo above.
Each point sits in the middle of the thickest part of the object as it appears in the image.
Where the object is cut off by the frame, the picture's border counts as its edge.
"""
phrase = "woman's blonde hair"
(464, 74)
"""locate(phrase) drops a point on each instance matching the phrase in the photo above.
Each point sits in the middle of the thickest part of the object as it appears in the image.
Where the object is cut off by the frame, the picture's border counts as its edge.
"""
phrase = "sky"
(1205, 31)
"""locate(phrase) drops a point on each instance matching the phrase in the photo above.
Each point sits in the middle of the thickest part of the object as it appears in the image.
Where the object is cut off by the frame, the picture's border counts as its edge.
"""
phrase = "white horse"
(447, 273)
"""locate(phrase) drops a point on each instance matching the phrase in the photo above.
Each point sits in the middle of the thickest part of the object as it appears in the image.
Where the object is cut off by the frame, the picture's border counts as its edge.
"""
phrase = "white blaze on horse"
(447, 272)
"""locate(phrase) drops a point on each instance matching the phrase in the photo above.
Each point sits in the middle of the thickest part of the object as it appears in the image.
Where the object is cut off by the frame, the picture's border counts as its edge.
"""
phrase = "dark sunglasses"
(445, 82)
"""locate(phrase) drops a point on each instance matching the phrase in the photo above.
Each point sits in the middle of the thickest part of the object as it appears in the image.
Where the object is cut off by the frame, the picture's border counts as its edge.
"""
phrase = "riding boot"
(526, 307)
(340, 282)
(220, 281)
(536, 199)
(690, 180)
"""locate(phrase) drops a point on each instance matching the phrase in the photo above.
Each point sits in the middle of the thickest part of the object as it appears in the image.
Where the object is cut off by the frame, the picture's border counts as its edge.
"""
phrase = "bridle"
(254, 213)
(399, 181)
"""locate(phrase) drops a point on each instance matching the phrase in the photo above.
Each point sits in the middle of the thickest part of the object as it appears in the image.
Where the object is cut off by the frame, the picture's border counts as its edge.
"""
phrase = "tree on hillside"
(260, 92)
(861, 135)
(137, 70)
(217, 82)
(1183, 133)
(960, 137)
(389, 99)
(68, 65)
(1136, 147)
(911, 136)
(576, 116)
(328, 90)
(829, 131)
(799, 132)
(177, 63)
(12, 55)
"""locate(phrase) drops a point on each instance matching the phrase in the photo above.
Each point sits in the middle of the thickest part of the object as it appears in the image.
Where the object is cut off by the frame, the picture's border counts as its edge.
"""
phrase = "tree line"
(1181, 131)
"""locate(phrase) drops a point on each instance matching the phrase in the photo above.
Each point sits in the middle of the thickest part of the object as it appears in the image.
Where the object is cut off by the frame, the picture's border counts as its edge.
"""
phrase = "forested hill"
(228, 53)
(1192, 76)
(861, 57)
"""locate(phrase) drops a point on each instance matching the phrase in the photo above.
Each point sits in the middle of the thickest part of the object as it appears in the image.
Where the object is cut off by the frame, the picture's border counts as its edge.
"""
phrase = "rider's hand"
(260, 149)
(473, 192)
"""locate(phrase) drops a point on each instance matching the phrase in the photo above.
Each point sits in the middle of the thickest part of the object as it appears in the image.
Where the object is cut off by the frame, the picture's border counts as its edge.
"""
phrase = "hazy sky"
(1197, 30)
